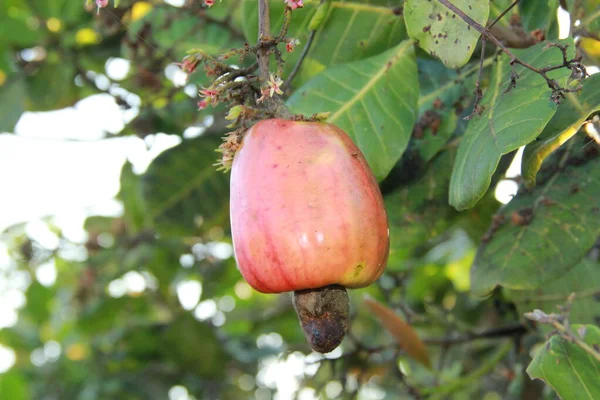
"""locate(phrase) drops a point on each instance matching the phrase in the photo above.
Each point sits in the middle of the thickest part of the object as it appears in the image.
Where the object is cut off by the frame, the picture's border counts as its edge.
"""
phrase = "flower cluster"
(188, 64)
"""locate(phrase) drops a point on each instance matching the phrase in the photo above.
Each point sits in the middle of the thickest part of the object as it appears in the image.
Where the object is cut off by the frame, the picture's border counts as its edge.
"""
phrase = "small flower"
(189, 64)
(209, 3)
(291, 45)
(293, 4)
(202, 104)
(275, 85)
(101, 4)
(208, 93)
(264, 94)
(210, 97)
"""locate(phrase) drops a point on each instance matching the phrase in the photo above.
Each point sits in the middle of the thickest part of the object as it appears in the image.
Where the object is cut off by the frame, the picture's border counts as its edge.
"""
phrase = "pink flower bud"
(293, 4)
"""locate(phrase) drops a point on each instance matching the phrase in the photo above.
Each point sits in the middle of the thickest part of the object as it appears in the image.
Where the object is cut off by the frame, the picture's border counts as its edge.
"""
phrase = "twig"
(264, 32)
(296, 69)
(441, 392)
(477, 109)
(560, 322)
(499, 17)
(558, 92)
(502, 332)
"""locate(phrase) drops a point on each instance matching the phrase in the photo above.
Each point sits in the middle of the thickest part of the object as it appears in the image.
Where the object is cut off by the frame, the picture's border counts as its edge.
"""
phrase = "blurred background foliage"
(149, 303)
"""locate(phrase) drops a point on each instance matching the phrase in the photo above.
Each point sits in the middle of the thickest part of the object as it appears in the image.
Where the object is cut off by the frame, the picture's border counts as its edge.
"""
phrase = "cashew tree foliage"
(479, 299)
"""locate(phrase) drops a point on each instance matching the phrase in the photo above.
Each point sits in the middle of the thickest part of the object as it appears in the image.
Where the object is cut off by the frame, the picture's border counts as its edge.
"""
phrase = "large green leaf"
(341, 37)
(583, 280)
(537, 15)
(184, 192)
(441, 32)
(569, 117)
(509, 120)
(572, 372)
(547, 231)
(373, 100)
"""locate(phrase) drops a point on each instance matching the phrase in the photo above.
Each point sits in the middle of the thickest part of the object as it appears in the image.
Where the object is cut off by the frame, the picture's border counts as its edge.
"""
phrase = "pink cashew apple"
(307, 216)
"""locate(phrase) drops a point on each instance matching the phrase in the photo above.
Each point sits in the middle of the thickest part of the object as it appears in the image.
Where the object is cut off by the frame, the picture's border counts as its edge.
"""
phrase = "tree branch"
(264, 32)
(502, 332)
(558, 92)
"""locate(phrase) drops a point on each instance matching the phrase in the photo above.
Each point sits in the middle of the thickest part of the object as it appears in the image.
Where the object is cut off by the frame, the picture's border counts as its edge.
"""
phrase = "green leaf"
(39, 301)
(509, 120)
(341, 37)
(183, 191)
(440, 89)
(14, 386)
(18, 26)
(207, 358)
(587, 11)
(12, 99)
(52, 87)
(441, 32)
(497, 7)
(567, 368)
(133, 200)
(176, 33)
(583, 280)
(526, 253)
(419, 211)
(569, 117)
(373, 100)
(537, 15)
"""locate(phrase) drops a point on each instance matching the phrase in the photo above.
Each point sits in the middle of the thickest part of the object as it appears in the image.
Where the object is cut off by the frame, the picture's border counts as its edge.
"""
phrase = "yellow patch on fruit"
(86, 37)
(324, 158)
(2, 77)
(53, 24)
(357, 270)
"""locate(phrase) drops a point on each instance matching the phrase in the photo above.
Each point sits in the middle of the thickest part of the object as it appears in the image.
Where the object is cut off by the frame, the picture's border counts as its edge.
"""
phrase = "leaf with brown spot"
(526, 255)
(405, 335)
(438, 31)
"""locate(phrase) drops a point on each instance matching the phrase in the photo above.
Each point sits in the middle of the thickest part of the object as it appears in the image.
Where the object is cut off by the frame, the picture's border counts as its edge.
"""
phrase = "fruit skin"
(306, 210)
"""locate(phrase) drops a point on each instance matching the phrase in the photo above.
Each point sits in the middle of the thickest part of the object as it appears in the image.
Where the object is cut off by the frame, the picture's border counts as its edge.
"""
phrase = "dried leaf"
(405, 335)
